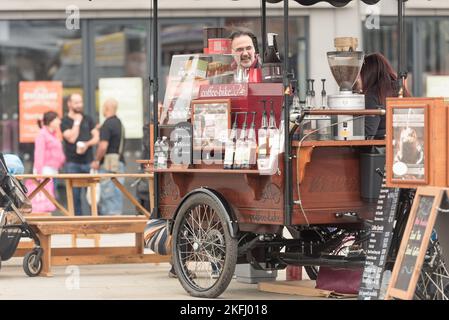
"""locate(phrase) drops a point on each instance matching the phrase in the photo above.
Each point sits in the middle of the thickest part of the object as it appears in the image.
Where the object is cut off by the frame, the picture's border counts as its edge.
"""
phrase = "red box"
(219, 46)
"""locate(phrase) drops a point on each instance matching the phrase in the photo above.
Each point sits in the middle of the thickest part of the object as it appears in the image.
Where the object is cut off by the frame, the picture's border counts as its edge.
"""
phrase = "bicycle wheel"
(204, 252)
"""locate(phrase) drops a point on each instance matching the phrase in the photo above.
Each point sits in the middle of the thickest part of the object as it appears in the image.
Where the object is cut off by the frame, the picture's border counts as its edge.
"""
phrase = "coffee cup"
(80, 147)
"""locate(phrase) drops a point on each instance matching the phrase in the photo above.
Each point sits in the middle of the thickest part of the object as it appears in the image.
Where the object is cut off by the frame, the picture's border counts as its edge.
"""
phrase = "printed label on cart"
(223, 90)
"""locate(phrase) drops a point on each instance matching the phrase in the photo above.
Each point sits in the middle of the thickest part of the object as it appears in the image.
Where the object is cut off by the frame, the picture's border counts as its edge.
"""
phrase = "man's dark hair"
(240, 33)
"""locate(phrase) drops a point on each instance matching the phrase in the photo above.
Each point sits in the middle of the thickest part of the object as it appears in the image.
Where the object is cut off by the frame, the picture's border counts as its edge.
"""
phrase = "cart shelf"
(197, 170)
(183, 177)
(336, 143)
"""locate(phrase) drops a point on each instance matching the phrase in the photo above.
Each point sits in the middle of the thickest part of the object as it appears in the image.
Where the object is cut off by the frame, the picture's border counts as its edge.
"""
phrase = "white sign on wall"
(4, 30)
(437, 86)
(129, 94)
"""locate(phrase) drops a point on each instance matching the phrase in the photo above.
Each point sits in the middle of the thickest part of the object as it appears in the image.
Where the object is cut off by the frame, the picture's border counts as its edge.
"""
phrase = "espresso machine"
(345, 64)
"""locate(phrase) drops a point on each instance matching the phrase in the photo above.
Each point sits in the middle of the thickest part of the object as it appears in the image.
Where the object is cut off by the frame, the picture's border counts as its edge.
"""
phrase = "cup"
(80, 147)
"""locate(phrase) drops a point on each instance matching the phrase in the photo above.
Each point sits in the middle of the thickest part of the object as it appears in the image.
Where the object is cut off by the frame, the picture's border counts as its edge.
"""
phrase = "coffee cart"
(219, 218)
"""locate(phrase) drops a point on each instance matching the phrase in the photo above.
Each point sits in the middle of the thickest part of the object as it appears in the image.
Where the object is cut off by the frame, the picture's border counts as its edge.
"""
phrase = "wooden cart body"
(328, 174)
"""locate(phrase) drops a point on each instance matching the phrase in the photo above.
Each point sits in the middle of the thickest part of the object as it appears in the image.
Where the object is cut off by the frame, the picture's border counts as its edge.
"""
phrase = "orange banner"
(36, 98)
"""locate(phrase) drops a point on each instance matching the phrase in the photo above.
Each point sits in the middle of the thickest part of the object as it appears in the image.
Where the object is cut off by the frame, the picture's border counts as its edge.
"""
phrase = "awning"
(335, 3)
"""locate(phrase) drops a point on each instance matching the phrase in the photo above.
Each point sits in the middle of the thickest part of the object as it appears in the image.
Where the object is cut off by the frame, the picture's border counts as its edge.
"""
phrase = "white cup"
(80, 145)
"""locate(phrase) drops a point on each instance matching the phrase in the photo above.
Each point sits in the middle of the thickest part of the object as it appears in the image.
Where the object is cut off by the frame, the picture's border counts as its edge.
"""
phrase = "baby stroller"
(13, 225)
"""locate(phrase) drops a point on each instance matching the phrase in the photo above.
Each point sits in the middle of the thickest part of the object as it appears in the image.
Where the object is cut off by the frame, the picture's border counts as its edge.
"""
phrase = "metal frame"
(288, 202)
(155, 86)
(402, 70)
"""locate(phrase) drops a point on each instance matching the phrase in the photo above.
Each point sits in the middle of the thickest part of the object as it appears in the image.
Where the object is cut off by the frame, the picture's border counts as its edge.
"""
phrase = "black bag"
(14, 189)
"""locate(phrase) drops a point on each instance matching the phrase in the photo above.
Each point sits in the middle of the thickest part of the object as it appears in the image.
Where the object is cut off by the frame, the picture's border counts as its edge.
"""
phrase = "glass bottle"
(262, 134)
(324, 122)
(281, 132)
(310, 122)
(157, 150)
(272, 130)
(241, 145)
(272, 53)
(250, 160)
(230, 145)
(163, 154)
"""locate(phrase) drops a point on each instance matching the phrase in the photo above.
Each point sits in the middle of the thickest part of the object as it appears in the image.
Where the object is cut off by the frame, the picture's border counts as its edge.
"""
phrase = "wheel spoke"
(201, 246)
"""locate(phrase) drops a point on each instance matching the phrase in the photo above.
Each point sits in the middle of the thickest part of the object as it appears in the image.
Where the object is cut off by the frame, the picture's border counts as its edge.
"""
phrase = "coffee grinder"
(345, 64)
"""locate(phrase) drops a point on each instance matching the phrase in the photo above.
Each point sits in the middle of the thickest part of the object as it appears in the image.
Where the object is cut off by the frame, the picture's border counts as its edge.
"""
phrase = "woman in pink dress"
(48, 157)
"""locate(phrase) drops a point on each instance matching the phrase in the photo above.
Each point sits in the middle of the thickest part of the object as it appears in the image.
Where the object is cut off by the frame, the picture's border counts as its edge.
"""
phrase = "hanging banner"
(36, 98)
(129, 94)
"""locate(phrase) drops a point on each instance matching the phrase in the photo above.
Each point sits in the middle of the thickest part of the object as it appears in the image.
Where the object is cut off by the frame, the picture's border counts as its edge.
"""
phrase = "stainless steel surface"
(349, 127)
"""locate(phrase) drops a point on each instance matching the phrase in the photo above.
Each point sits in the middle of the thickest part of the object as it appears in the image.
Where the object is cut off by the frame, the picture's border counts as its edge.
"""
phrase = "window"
(433, 37)
(385, 40)
(33, 51)
(121, 51)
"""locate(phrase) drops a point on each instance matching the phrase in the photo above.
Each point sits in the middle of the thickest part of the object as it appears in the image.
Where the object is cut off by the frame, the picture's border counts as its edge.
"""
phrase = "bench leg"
(46, 256)
(139, 243)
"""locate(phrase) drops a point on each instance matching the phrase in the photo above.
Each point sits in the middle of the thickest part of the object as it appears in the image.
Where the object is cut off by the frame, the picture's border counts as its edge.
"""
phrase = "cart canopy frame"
(288, 199)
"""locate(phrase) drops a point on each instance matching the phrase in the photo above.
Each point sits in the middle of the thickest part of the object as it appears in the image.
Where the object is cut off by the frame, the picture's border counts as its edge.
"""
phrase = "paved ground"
(123, 281)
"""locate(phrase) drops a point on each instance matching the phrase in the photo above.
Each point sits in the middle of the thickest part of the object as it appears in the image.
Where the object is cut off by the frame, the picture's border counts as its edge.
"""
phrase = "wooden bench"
(77, 180)
(48, 226)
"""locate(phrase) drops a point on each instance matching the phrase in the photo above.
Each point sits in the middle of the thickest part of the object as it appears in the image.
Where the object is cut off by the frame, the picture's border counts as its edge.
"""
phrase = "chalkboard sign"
(379, 243)
(181, 151)
(442, 226)
(414, 243)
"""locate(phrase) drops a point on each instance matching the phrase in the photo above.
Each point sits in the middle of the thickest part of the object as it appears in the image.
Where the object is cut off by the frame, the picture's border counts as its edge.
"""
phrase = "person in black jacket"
(378, 81)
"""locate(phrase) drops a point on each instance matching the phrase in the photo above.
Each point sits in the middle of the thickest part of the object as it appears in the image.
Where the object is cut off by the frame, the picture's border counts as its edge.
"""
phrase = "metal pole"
(288, 194)
(155, 85)
(402, 72)
(400, 35)
(264, 26)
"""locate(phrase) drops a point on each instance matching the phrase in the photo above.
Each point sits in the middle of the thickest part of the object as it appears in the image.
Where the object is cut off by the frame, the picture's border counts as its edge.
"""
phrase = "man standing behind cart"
(109, 158)
(244, 44)
(80, 135)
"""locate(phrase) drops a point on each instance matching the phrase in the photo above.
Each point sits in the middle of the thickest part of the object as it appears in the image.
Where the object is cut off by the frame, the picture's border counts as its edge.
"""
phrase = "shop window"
(179, 37)
(434, 56)
(34, 51)
(385, 40)
(121, 51)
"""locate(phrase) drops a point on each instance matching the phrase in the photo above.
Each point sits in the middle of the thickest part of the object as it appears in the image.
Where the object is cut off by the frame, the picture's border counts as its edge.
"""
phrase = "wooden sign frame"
(436, 173)
(210, 108)
(421, 140)
(393, 290)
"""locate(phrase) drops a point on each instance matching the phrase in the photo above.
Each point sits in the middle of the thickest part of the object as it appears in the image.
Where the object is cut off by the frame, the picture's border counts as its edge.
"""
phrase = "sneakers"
(172, 274)
(215, 274)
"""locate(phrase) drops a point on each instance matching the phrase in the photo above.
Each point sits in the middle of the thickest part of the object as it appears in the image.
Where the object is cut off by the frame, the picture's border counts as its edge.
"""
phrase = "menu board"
(414, 243)
(379, 243)
(181, 137)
